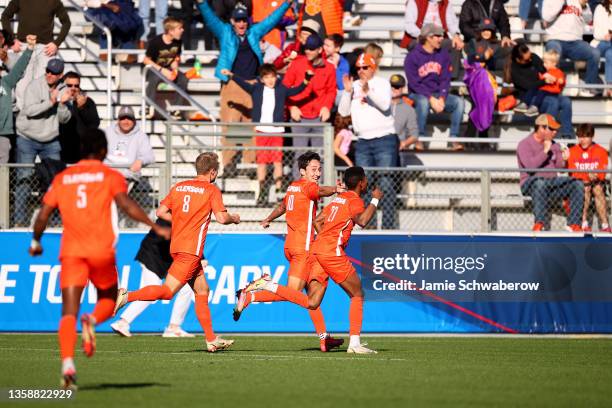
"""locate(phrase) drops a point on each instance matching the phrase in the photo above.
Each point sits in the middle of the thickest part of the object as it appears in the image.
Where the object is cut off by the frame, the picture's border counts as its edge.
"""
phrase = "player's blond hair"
(170, 23)
(552, 56)
(206, 162)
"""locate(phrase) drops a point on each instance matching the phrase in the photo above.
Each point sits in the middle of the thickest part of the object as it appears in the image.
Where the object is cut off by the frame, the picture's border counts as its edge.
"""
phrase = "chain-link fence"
(422, 199)
(22, 187)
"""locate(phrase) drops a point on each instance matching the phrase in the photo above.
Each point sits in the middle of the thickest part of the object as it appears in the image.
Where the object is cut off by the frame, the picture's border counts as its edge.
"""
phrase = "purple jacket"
(427, 73)
(530, 155)
(482, 93)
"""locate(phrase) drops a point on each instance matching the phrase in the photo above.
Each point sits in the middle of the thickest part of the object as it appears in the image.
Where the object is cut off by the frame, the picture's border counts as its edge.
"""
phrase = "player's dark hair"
(337, 39)
(267, 69)
(206, 162)
(94, 144)
(353, 176)
(71, 75)
(306, 158)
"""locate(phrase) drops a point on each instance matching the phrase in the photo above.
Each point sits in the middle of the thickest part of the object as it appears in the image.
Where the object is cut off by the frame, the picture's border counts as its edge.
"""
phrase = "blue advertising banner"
(573, 277)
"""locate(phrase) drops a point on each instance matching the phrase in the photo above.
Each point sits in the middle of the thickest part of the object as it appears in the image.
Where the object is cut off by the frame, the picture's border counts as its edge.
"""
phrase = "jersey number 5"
(186, 201)
(81, 196)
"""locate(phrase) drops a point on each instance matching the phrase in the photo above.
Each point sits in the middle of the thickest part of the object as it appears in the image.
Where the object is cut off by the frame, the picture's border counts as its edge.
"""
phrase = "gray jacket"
(39, 119)
(405, 120)
(125, 148)
(7, 84)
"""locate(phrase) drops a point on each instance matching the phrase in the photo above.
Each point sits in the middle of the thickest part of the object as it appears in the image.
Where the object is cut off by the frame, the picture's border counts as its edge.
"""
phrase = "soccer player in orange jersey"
(189, 207)
(86, 194)
(300, 208)
(334, 224)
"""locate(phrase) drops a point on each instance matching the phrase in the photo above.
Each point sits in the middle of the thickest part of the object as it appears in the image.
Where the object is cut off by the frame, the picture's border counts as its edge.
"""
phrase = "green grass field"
(291, 372)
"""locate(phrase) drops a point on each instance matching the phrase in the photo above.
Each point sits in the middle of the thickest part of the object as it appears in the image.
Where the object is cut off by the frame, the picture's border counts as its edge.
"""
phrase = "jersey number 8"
(186, 201)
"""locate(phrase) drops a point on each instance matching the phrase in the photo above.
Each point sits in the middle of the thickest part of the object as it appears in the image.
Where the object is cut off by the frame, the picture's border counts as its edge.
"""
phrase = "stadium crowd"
(267, 78)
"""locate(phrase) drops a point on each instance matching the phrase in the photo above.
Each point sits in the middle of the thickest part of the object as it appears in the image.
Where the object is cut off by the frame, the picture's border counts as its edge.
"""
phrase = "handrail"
(175, 87)
(475, 169)
(109, 51)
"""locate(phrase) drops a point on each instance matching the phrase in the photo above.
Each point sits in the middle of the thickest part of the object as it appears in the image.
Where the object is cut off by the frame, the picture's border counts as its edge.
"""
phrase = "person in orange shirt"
(300, 208)
(587, 155)
(189, 206)
(86, 195)
(550, 60)
(334, 224)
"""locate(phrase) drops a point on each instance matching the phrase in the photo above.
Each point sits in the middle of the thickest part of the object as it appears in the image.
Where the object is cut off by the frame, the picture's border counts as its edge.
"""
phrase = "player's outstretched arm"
(362, 219)
(135, 212)
(326, 191)
(279, 210)
(225, 218)
(40, 224)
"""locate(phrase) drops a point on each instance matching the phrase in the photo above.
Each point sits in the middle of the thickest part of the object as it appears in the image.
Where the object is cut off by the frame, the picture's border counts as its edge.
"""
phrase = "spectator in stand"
(164, 55)
(278, 35)
(144, 11)
(269, 96)
(527, 72)
(587, 155)
(602, 33)
(331, 48)
(539, 151)
(350, 20)
(241, 54)
(7, 83)
(269, 51)
(372, 49)
(440, 13)
(368, 102)
(327, 13)
(551, 62)
(566, 21)
(314, 104)
(404, 117)
(292, 50)
(36, 17)
(344, 148)
(224, 8)
(122, 19)
(129, 151)
(486, 38)
(428, 71)
(474, 12)
(44, 108)
(525, 10)
(83, 117)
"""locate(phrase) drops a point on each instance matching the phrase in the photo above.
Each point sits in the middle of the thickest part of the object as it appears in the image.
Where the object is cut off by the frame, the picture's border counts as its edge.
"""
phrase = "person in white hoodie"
(602, 33)
(566, 21)
(368, 102)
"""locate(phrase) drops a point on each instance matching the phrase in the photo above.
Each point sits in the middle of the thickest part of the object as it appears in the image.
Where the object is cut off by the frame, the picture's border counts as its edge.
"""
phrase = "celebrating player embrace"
(300, 209)
(189, 206)
(334, 224)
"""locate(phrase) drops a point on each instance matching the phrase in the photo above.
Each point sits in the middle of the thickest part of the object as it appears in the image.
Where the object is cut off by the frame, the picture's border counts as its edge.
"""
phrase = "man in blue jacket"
(240, 53)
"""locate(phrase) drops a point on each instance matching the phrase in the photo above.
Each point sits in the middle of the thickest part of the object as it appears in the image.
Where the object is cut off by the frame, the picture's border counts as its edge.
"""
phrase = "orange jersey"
(84, 195)
(594, 157)
(301, 209)
(191, 203)
(338, 224)
(558, 86)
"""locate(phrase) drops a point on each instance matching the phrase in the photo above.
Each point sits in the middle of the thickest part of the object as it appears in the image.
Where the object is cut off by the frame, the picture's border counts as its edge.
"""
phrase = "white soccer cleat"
(122, 297)
(258, 284)
(176, 332)
(240, 304)
(361, 349)
(121, 327)
(218, 344)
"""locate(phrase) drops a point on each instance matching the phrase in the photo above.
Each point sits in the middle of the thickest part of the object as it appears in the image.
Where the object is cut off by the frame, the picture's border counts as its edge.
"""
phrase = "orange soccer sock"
(153, 292)
(203, 315)
(293, 296)
(103, 310)
(67, 335)
(265, 296)
(355, 315)
(318, 321)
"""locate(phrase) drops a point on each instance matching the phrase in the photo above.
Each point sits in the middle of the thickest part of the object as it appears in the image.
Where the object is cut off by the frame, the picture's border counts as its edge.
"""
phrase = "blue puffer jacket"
(229, 40)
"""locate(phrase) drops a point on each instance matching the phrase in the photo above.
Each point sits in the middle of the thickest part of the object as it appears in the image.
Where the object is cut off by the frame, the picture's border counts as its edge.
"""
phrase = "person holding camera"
(45, 107)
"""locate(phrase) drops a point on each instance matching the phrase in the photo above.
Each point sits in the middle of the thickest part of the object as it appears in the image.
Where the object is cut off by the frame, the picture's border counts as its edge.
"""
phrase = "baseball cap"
(313, 42)
(311, 26)
(397, 81)
(431, 29)
(486, 24)
(55, 66)
(365, 59)
(546, 119)
(240, 12)
(126, 112)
